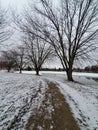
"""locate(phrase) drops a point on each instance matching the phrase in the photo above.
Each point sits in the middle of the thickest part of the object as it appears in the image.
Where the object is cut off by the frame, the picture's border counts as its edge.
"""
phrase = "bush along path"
(53, 114)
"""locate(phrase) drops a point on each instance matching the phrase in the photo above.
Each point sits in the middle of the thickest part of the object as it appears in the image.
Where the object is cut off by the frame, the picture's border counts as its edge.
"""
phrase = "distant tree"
(29, 68)
(38, 52)
(20, 59)
(94, 68)
(8, 57)
(1, 63)
(70, 28)
(88, 68)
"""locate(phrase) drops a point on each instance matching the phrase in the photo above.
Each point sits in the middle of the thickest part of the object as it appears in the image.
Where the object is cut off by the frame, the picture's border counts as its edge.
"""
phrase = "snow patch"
(19, 96)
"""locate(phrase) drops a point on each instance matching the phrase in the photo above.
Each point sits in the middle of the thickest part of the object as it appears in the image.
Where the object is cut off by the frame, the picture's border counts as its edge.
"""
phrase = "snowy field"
(83, 78)
(83, 102)
(19, 94)
(82, 97)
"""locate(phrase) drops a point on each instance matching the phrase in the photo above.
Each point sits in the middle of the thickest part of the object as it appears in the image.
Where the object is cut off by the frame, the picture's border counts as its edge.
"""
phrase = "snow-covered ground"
(83, 99)
(84, 78)
(19, 94)
(92, 75)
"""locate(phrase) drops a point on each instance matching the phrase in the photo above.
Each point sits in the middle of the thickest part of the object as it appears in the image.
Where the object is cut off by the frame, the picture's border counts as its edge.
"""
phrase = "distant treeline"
(45, 69)
(94, 68)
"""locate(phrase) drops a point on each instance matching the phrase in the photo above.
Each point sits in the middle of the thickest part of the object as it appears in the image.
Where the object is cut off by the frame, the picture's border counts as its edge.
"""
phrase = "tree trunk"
(8, 70)
(37, 72)
(20, 71)
(69, 75)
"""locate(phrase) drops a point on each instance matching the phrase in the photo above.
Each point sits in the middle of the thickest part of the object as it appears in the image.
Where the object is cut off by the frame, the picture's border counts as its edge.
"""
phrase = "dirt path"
(54, 113)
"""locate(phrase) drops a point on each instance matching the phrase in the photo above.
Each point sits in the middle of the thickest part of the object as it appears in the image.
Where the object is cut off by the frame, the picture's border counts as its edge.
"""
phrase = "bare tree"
(8, 57)
(2, 63)
(71, 29)
(38, 51)
(14, 58)
(20, 59)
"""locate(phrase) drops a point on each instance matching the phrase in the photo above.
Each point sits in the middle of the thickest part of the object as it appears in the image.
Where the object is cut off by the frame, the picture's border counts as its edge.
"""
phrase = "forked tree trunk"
(69, 74)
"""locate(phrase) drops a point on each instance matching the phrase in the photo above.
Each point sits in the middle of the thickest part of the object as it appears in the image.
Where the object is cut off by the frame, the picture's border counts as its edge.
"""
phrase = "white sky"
(19, 4)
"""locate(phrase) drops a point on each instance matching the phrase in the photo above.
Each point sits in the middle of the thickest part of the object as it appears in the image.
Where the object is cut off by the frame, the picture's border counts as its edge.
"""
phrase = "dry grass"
(54, 113)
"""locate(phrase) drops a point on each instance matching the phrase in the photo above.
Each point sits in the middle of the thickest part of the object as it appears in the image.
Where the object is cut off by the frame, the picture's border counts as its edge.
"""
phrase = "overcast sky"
(19, 4)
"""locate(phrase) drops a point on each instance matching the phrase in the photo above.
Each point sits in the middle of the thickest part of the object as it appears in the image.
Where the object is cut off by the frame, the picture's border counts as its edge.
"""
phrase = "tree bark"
(20, 71)
(69, 75)
(37, 72)
(8, 70)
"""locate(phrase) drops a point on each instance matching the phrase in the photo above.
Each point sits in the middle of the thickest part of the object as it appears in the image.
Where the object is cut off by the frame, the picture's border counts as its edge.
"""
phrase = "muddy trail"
(53, 114)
